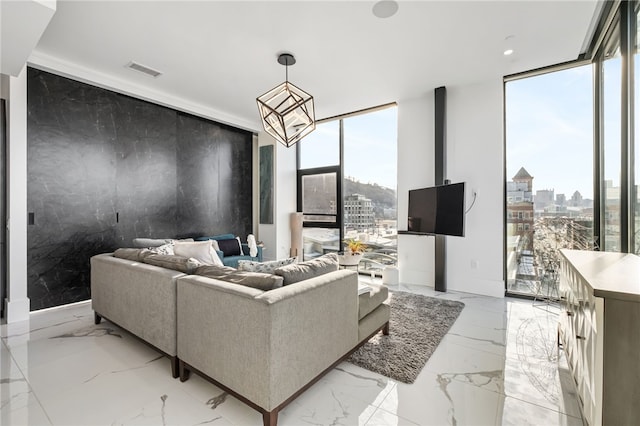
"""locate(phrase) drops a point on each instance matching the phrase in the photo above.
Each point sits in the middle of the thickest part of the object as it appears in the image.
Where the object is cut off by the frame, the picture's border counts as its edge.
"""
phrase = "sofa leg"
(184, 371)
(270, 418)
(96, 318)
(174, 366)
(385, 329)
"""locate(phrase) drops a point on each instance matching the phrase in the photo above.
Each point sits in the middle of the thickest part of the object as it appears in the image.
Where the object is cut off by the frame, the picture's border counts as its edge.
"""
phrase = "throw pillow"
(150, 242)
(165, 249)
(310, 269)
(230, 247)
(256, 280)
(128, 253)
(266, 267)
(177, 263)
(202, 251)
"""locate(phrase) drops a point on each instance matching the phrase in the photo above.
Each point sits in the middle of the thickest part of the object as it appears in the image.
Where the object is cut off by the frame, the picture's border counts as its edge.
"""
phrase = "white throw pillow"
(265, 267)
(202, 251)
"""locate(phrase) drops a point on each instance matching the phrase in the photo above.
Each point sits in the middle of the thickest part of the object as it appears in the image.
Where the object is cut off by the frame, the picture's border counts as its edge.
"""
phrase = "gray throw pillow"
(266, 267)
(135, 254)
(177, 263)
(130, 253)
(250, 279)
(310, 269)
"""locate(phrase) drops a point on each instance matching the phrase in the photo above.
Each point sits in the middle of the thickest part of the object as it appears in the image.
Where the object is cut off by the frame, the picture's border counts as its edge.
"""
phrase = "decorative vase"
(350, 259)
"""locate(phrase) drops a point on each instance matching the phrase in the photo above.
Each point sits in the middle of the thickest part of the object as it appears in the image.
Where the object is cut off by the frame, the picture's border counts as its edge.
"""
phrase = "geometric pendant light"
(287, 112)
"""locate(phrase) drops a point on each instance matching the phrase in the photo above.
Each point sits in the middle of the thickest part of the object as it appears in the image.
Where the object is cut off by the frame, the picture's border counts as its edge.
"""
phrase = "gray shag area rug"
(417, 325)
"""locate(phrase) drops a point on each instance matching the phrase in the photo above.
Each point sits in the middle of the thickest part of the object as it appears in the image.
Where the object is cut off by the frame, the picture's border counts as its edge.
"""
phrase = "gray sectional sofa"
(264, 347)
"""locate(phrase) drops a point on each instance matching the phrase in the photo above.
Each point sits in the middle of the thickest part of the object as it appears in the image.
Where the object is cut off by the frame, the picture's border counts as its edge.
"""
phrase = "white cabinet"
(599, 329)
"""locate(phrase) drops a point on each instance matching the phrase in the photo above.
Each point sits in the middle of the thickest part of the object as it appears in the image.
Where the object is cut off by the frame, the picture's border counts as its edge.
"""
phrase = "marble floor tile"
(440, 399)
(498, 364)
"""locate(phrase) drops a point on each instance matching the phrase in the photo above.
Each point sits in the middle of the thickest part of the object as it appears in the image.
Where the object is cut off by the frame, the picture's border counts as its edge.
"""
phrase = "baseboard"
(16, 309)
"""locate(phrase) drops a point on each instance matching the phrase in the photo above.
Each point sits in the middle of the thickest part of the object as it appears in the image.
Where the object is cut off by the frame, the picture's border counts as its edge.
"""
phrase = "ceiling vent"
(143, 69)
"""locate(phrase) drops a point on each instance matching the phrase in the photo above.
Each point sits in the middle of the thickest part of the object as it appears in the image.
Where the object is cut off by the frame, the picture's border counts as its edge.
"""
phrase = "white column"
(17, 302)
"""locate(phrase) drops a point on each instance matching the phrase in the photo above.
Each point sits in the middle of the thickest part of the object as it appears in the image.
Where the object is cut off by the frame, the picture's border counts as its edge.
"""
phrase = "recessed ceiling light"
(508, 52)
(385, 8)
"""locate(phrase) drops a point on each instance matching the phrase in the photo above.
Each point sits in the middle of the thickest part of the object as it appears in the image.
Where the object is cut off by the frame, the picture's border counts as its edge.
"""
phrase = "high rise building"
(358, 212)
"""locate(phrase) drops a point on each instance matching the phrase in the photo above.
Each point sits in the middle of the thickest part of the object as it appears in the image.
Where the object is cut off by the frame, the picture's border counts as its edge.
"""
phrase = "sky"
(549, 130)
(370, 147)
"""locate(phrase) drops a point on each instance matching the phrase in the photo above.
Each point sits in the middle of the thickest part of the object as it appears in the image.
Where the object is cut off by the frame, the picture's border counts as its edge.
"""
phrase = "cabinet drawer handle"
(580, 337)
(569, 313)
(563, 298)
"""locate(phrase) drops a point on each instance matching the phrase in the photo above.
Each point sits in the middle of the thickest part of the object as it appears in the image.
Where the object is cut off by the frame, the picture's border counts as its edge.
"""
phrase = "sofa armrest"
(267, 345)
(139, 297)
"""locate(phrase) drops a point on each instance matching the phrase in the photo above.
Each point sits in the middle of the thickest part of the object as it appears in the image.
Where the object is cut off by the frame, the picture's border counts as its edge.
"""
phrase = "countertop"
(609, 275)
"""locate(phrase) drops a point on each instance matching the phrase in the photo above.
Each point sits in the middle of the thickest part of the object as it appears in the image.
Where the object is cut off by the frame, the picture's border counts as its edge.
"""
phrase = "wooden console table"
(599, 330)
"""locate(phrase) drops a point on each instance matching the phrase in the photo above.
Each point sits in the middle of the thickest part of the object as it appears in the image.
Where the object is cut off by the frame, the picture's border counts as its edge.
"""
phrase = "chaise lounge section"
(138, 297)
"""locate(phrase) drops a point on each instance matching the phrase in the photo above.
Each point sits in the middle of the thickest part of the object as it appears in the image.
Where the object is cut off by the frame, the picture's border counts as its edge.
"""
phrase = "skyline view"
(549, 130)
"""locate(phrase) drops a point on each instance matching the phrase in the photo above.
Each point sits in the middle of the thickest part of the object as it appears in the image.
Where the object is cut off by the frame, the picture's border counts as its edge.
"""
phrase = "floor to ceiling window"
(361, 151)
(611, 114)
(549, 166)
(572, 161)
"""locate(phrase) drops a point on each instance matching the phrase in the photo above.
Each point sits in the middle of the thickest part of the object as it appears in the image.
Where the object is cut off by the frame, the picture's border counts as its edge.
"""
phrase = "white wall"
(415, 170)
(17, 303)
(474, 155)
(277, 237)
(475, 146)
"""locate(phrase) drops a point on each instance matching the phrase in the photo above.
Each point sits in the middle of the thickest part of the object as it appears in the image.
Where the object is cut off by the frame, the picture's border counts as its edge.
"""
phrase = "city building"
(520, 208)
(576, 200)
(543, 198)
(358, 213)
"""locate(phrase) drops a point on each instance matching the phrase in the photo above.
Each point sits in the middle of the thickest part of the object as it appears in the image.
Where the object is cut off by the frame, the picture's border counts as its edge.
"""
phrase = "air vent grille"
(143, 69)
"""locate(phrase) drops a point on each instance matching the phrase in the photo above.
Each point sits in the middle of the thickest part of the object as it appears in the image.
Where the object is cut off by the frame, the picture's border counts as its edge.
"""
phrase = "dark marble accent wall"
(207, 170)
(105, 168)
(145, 170)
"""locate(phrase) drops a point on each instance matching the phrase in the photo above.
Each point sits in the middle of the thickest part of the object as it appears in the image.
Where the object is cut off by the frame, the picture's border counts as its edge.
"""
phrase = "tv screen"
(437, 210)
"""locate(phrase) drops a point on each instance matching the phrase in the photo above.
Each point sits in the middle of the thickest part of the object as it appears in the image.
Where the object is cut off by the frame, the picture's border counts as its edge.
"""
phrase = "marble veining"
(215, 401)
(91, 332)
(492, 379)
(123, 370)
(379, 381)
(104, 168)
(479, 339)
(444, 382)
(475, 377)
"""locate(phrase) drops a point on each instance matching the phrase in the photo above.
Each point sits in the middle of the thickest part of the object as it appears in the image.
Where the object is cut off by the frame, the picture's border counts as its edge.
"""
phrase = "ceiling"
(218, 56)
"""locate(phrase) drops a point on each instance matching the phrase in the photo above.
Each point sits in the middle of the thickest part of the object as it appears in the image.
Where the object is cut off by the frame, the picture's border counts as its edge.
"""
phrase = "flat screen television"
(437, 210)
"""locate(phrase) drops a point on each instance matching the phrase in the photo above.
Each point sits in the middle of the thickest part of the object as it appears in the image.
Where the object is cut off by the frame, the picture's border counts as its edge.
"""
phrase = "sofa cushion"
(202, 251)
(216, 237)
(150, 242)
(177, 263)
(309, 269)
(230, 247)
(155, 242)
(265, 267)
(250, 279)
(368, 302)
(135, 254)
